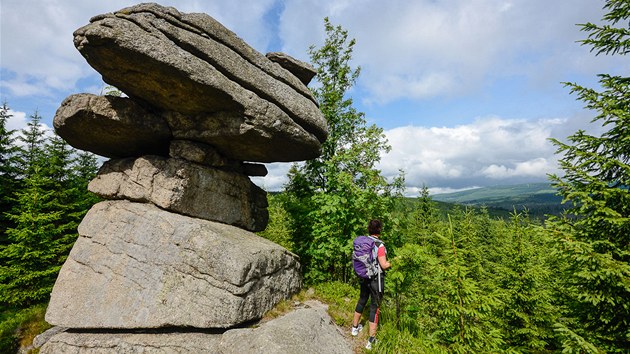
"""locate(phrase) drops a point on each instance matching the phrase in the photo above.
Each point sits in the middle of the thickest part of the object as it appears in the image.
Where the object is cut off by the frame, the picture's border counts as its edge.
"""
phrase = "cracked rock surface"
(137, 266)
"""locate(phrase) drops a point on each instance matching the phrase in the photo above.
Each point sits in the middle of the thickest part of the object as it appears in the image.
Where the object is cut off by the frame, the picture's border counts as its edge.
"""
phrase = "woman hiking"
(372, 280)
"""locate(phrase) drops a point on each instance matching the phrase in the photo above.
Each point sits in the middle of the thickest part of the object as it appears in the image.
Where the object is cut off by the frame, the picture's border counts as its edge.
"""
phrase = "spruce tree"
(524, 272)
(45, 216)
(69, 194)
(594, 238)
(32, 256)
(8, 170)
(30, 154)
(464, 307)
(26, 275)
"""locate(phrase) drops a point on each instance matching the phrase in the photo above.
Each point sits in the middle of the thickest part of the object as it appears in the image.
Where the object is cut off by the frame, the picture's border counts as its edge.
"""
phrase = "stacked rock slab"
(172, 246)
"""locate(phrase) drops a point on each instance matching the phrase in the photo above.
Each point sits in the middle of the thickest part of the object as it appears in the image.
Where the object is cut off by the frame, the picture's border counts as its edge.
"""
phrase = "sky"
(468, 92)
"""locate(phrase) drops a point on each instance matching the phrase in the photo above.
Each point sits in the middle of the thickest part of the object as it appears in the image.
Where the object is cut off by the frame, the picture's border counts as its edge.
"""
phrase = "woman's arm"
(382, 260)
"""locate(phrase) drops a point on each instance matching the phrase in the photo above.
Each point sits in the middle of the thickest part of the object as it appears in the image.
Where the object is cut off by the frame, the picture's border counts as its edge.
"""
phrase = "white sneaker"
(369, 344)
(357, 329)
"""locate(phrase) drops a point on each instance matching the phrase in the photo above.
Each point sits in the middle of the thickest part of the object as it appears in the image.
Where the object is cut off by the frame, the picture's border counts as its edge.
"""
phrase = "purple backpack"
(364, 257)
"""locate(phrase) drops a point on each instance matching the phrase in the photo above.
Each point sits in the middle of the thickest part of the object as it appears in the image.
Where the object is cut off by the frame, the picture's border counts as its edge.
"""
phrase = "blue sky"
(467, 91)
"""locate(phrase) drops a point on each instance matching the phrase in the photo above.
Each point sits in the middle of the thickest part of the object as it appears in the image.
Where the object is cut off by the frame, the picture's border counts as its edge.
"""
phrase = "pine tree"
(8, 171)
(31, 259)
(594, 239)
(30, 154)
(45, 216)
(21, 277)
(422, 219)
(68, 198)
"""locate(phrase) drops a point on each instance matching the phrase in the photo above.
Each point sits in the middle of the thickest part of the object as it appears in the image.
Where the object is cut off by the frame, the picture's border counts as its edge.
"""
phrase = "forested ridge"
(462, 280)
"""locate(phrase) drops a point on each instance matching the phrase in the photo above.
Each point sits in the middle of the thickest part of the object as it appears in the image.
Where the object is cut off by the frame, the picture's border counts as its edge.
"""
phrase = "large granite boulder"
(186, 188)
(137, 266)
(111, 126)
(211, 86)
(306, 330)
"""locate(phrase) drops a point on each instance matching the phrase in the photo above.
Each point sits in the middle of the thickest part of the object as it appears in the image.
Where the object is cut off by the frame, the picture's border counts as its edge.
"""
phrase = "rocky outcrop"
(186, 188)
(136, 266)
(169, 261)
(307, 330)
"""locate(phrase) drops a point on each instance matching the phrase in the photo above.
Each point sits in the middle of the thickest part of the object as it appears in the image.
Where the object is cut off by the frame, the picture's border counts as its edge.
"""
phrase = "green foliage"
(44, 214)
(8, 170)
(280, 227)
(32, 258)
(525, 274)
(464, 283)
(18, 327)
(467, 283)
(331, 198)
(341, 300)
(607, 39)
(594, 239)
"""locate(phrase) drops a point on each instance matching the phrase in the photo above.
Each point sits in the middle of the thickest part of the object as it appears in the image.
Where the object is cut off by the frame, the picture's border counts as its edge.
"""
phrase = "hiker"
(369, 266)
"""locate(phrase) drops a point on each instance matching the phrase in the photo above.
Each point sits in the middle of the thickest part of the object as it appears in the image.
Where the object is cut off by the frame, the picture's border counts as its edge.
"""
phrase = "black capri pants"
(370, 289)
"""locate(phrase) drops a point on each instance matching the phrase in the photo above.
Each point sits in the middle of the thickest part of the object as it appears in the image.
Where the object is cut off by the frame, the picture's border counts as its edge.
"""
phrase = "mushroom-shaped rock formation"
(172, 248)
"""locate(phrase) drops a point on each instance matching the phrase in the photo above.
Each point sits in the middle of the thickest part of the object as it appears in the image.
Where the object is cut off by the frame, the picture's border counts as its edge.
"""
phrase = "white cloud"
(408, 50)
(536, 167)
(275, 179)
(37, 43)
(17, 120)
(491, 148)
(422, 49)
(488, 151)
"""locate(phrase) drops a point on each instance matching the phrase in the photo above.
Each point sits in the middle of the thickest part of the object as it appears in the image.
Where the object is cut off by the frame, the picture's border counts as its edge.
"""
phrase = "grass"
(18, 327)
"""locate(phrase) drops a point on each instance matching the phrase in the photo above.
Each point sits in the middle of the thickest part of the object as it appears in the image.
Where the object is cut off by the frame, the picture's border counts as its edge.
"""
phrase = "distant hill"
(538, 198)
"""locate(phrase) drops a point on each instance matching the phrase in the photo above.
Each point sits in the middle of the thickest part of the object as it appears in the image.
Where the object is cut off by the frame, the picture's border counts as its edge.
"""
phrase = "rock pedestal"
(170, 257)
(306, 330)
(138, 266)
